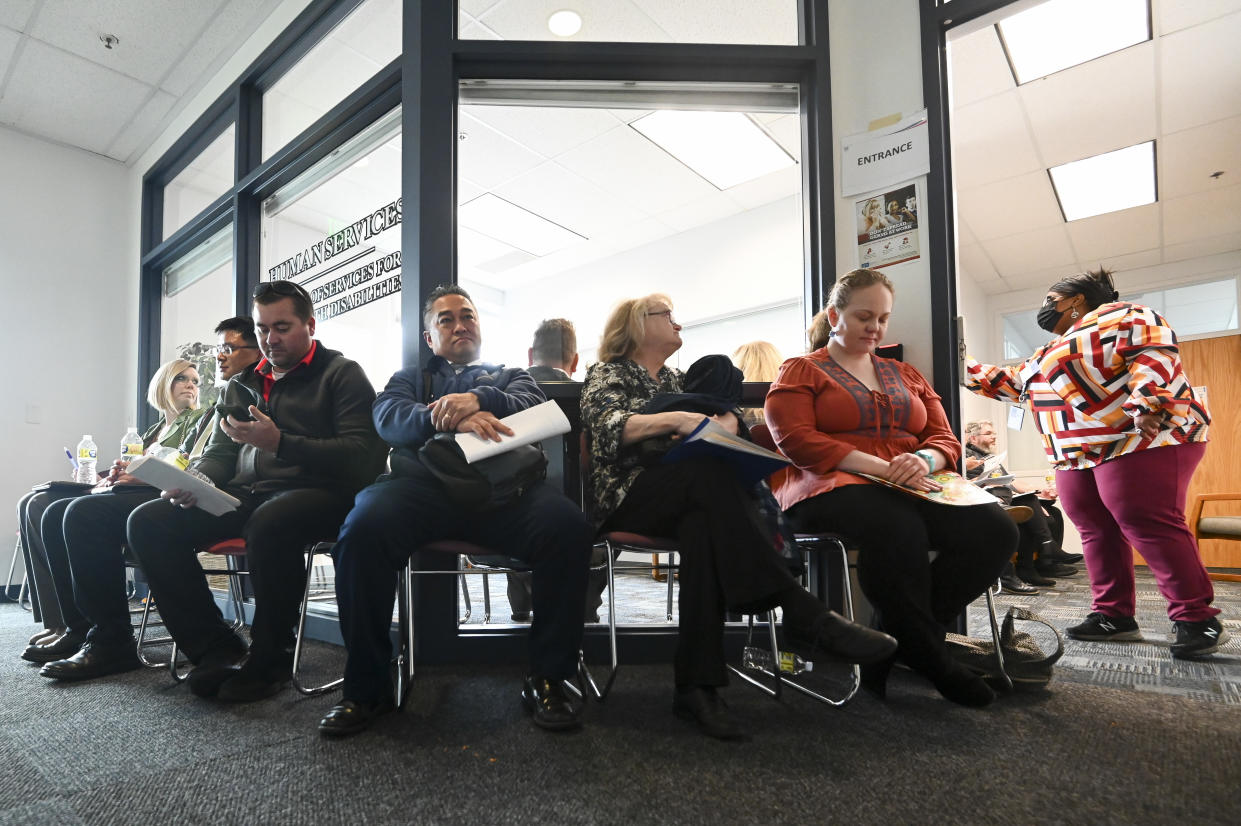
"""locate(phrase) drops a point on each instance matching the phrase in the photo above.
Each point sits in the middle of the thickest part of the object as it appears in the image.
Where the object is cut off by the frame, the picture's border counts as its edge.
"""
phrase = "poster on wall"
(887, 227)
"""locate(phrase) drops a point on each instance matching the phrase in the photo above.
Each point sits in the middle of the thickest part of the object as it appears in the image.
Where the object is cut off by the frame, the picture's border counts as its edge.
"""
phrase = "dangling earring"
(1074, 313)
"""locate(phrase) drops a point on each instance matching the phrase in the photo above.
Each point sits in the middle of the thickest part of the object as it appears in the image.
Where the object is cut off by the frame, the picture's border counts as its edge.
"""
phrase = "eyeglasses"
(229, 349)
(286, 288)
(668, 313)
(184, 379)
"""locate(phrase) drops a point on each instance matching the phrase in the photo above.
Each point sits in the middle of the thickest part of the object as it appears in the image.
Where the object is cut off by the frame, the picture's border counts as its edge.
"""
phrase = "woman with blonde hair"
(757, 361)
(726, 561)
(173, 391)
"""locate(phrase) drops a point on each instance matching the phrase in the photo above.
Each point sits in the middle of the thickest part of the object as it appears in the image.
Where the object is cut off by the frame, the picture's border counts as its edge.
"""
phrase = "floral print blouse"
(613, 392)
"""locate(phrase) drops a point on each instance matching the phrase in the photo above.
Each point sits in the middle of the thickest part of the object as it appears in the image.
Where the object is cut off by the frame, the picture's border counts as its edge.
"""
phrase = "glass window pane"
(207, 177)
(1196, 309)
(198, 295)
(336, 230)
(358, 47)
(767, 22)
(1022, 334)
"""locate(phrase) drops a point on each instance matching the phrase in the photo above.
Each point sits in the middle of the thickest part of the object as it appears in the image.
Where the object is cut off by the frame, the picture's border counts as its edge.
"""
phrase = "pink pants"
(1138, 500)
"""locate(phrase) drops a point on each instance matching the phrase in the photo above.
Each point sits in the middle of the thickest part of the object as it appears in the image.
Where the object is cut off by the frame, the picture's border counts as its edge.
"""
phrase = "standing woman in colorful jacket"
(1122, 426)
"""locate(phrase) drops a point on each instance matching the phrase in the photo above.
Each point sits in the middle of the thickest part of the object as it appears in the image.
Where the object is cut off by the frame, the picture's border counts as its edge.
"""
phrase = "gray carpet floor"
(136, 748)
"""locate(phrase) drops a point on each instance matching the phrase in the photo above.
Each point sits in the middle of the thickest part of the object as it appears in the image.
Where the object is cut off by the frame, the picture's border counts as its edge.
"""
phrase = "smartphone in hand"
(239, 412)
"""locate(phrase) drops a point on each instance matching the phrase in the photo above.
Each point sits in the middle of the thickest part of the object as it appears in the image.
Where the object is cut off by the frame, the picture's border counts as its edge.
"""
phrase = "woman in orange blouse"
(840, 411)
(1122, 426)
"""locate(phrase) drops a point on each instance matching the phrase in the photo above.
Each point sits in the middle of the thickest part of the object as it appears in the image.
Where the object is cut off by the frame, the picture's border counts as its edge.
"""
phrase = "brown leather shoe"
(840, 639)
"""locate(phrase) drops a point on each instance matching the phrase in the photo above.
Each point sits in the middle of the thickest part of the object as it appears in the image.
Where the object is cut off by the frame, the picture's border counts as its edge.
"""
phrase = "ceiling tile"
(201, 59)
(8, 45)
(139, 132)
(604, 20)
(477, 7)
(547, 130)
(153, 36)
(702, 211)
(1008, 207)
(1128, 261)
(15, 13)
(772, 22)
(1187, 158)
(979, 129)
(1175, 15)
(1201, 72)
(1029, 251)
(979, 68)
(1096, 107)
(1195, 217)
(1115, 233)
(972, 261)
(67, 98)
(469, 30)
(1200, 249)
(770, 187)
(786, 130)
(569, 200)
(1040, 279)
(467, 190)
(636, 171)
(488, 158)
(996, 287)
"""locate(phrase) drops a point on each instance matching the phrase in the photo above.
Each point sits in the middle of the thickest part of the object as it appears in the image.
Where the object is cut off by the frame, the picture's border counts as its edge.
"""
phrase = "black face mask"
(1049, 317)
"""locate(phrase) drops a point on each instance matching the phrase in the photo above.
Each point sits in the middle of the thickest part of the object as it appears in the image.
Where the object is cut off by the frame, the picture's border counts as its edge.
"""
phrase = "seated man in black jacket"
(409, 508)
(295, 467)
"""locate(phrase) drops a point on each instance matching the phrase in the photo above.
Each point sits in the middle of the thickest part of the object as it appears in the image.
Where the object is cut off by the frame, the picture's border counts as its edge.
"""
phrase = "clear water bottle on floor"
(759, 659)
(88, 458)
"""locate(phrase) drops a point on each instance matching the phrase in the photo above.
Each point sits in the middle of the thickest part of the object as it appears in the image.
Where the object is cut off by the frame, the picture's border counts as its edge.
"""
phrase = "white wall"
(68, 325)
(876, 72)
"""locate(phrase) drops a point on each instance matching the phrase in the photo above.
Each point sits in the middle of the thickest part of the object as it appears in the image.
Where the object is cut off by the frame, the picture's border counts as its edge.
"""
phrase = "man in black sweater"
(410, 508)
(295, 457)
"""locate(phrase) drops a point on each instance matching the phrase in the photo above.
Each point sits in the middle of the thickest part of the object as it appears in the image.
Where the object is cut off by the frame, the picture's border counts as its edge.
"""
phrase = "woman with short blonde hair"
(165, 394)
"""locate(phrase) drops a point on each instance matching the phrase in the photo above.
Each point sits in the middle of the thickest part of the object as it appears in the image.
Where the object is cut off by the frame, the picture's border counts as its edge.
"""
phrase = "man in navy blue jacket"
(409, 508)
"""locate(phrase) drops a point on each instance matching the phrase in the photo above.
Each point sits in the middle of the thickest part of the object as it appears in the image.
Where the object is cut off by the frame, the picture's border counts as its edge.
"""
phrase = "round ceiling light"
(564, 23)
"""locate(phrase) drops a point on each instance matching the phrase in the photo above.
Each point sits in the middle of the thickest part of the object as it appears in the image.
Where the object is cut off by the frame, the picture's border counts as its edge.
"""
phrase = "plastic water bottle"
(759, 659)
(88, 457)
(131, 445)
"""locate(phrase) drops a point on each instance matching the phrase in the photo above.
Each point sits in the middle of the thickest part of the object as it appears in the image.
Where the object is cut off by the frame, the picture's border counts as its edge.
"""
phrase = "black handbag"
(486, 484)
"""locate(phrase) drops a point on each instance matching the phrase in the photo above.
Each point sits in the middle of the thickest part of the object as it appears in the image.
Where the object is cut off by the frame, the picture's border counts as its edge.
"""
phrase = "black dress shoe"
(46, 635)
(57, 648)
(703, 705)
(1012, 585)
(350, 717)
(213, 669)
(256, 680)
(1054, 569)
(1061, 558)
(840, 639)
(1028, 575)
(963, 687)
(94, 660)
(549, 702)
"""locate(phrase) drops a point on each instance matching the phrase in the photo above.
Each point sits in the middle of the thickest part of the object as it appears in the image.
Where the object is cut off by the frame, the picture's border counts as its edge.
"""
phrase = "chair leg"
(486, 599)
(309, 691)
(584, 674)
(405, 651)
(995, 637)
(465, 591)
(672, 559)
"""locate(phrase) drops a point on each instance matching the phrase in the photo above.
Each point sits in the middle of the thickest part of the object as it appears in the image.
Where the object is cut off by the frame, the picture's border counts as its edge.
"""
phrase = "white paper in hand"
(530, 425)
(164, 476)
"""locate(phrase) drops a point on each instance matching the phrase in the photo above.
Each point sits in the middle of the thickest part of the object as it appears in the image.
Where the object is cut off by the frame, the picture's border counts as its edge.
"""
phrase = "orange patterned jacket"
(1084, 387)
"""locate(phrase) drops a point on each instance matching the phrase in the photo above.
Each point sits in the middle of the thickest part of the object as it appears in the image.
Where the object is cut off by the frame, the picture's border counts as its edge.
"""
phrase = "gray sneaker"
(1198, 639)
(1102, 628)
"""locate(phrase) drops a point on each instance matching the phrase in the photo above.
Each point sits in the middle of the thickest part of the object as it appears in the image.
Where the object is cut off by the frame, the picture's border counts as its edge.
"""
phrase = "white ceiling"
(58, 81)
(1182, 89)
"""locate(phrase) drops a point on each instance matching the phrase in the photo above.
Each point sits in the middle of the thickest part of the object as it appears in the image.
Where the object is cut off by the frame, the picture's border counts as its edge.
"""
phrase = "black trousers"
(895, 533)
(1040, 534)
(44, 598)
(277, 528)
(394, 517)
(726, 561)
(56, 553)
(93, 531)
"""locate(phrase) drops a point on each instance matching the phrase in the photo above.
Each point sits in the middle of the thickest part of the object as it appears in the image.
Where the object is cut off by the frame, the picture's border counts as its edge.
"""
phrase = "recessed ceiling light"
(726, 148)
(505, 221)
(1106, 183)
(564, 23)
(1062, 33)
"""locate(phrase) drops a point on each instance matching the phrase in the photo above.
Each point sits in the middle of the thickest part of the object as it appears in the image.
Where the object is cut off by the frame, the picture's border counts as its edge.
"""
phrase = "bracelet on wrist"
(928, 457)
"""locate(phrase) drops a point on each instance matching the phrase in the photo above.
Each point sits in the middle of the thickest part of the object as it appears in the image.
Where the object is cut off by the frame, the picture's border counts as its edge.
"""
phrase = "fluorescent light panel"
(1062, 33)
(1106, 183)
(505, 221)
(726, 148)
